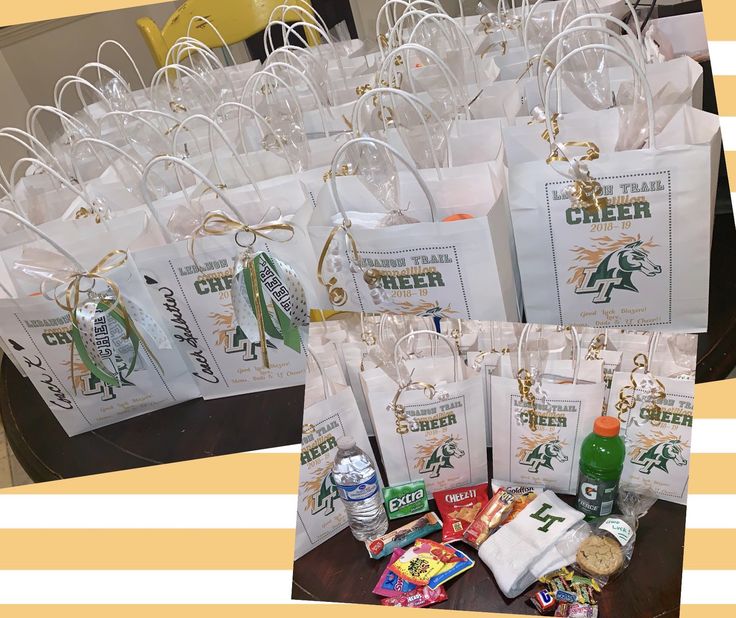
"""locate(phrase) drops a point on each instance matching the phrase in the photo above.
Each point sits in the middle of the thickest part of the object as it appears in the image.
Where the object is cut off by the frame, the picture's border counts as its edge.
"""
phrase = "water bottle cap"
(605, 426)
(345, 443)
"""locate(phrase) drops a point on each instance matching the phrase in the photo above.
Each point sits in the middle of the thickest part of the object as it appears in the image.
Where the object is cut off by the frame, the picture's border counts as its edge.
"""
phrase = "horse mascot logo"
(656, 452)
(437, 456)
(611, 265)
(541, 452)
(320, 492)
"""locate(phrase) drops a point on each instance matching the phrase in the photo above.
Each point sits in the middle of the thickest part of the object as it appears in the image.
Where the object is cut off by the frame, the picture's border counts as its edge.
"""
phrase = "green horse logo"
(326, 496)
(659, 455)
(615, 271)
(440, 457)
(542, 456)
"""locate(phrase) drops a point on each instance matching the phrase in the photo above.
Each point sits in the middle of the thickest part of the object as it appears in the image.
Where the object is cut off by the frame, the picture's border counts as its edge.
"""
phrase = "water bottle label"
(596, 497)
(357, 493)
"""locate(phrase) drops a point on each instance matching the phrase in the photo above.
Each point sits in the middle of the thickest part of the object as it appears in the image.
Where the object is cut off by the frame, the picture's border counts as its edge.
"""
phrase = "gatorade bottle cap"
(607, 426)
(345, 443)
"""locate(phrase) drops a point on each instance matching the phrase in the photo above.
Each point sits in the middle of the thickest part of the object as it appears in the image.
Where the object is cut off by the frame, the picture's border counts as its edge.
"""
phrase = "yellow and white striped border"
(169, 540)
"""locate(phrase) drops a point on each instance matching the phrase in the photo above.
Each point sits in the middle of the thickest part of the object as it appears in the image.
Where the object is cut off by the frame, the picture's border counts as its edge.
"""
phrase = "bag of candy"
(390, 584)
(424, 560)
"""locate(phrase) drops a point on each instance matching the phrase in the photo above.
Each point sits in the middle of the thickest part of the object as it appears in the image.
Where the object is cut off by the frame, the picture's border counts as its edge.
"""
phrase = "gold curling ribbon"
(595, 347)
(338, 296)
(217, 223)
(344, 170)
(587, 193)
(402, 420)
(627, 400)
(524, 379)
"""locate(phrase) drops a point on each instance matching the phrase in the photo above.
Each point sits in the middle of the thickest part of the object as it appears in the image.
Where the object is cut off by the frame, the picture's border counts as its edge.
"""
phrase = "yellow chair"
(236, 20)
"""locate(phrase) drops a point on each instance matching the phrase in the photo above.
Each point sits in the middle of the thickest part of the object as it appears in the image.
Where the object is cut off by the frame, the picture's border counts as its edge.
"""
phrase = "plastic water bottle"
(602, 457)
(357, 485)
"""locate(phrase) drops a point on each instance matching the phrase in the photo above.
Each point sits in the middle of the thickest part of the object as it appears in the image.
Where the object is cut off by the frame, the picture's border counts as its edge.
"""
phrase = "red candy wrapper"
(458, 508)
(421, 597)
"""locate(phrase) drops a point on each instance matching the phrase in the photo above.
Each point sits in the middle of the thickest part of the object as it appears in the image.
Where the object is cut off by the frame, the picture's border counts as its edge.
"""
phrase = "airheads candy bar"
(404, 500)
(401, 537)
(459, 507)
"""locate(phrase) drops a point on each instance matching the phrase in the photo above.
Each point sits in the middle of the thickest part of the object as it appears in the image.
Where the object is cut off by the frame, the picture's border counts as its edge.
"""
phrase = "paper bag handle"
(432, 333)
(214, 127)
(371, 140)
(197, 18)
(638, 71)
(418, 105)
(452, 81)
(191, 169)
(41, 234)
(558, 38)
(437, 17)
(328, 389)
(127, 55)
(576, 352)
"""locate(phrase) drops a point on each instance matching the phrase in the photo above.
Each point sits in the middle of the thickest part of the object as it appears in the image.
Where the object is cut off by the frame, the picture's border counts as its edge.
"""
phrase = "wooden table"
(187, 431)
(340, 570)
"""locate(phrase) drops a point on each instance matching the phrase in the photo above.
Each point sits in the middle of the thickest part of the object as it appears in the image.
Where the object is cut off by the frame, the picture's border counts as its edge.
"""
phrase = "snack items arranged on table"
(523, 531)
(459, 507)
(404, 500)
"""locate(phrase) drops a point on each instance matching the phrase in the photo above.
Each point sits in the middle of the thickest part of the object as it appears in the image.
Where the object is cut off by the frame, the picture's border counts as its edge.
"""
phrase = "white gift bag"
(459, 269)
(632, 250)
(656, 415)
(212, 314)
(321, 514)
(95, 357)
(428, 430)
(539, 426)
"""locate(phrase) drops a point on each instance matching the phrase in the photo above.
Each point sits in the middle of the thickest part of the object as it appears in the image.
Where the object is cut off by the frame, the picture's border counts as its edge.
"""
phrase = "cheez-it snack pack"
(459, 507)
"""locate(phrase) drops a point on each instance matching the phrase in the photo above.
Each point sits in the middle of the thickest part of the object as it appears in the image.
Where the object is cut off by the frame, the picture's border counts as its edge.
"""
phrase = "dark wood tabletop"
(189, 430)
(340, 570)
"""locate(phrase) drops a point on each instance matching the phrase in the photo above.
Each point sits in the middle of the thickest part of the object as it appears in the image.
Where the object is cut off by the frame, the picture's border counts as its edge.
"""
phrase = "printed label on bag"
(618, 528)
(359, 492)
(201, 320)
(544, 456)
(613, 264)
(657, 437)
(424, 281)
(435, 447)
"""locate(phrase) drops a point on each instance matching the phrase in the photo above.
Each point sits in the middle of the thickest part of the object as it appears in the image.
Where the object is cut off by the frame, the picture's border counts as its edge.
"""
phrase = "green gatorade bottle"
(601, 462)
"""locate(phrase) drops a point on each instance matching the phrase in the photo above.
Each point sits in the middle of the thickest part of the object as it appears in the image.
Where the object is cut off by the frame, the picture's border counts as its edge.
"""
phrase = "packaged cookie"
(607, 551)
(459, 507)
